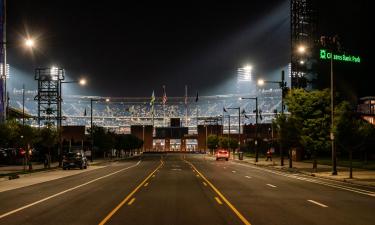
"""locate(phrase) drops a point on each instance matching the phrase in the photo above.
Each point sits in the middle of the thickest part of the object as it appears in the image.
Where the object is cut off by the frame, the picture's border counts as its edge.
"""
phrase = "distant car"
(222, 154)
(74, 160)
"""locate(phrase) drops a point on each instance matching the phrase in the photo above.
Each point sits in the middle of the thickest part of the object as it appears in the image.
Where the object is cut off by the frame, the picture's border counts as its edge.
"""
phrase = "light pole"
(29, 43)
(81, 82)
(143, 137)
(239, 126)
(333, 149)
(256, 127)
(283, 86)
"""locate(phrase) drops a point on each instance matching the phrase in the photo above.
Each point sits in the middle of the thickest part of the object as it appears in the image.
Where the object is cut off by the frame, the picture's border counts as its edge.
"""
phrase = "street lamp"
(256, 126)
(29, 43)
(81, 82)
(239, 125)
(283, 86)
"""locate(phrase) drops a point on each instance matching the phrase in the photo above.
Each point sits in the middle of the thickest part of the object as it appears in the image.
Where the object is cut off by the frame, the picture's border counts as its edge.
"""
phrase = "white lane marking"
(271, 185)
(146, 184)
(317, 203)
(175, 169)
(233, 171)
(204, 183)
(63, 192)
(338, 186)
(224, 167)
(248, 177)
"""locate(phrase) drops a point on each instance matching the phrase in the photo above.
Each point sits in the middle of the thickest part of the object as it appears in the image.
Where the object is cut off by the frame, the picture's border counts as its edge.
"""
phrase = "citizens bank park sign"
(326, 55)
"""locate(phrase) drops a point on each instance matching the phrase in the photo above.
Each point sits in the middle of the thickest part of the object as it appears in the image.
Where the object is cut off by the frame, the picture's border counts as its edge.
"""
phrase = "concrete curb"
(296, 170)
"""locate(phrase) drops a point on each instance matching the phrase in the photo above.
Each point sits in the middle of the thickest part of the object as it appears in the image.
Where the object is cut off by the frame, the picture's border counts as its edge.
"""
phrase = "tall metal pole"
(92, 132)
(239, 129)
(23, 104)
(256, 129)
(228, 128)
(334, 169)
(143, 138)
(282, 113)
(206, 138)
(4, 94)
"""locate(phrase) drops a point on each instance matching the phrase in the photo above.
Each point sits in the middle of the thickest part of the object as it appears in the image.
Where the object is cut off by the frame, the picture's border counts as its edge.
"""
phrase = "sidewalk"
(360, 176)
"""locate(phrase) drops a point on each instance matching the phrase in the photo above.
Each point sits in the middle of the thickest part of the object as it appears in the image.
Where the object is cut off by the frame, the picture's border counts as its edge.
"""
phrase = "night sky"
(132, 49)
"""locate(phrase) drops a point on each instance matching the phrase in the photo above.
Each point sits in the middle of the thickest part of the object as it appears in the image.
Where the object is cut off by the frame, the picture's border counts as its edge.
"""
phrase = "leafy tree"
(351, 132)
(103, 140)
(233, 144)
(308, 125)
(223, 142)
(212, 142)
(47, 138)
(288, 133)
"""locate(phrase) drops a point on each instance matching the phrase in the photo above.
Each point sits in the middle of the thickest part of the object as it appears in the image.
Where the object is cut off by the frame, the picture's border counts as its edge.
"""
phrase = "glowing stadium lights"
(244, 73)
(260, 82)
(248, 68)
(301, 62)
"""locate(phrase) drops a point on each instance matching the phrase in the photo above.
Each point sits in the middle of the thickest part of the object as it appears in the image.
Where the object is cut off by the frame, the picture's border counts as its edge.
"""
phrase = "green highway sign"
(325, 55)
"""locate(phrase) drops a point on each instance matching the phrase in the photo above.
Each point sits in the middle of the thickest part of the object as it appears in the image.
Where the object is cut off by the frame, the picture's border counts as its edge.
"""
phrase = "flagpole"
(186, 106)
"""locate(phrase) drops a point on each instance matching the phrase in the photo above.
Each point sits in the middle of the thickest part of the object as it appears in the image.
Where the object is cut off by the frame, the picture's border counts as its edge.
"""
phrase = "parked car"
(222, 154)
(74, 160)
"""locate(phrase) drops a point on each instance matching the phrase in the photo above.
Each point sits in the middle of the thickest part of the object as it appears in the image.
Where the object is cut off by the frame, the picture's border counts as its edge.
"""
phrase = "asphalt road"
(178, 189)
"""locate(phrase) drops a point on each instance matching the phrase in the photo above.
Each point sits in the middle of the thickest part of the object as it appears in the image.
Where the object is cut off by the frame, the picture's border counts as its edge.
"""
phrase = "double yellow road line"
(126, 199)
(227, 202)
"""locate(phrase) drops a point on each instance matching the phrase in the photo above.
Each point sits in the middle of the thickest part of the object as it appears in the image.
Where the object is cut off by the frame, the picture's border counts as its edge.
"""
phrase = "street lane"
(175, 195)
(167, 189)
(85, 205)
(285, 198)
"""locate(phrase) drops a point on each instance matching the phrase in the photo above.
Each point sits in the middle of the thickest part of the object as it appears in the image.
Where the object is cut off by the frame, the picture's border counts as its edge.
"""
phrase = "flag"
(164, 95)
(224, 109)
(196, 98)
(186, 97)
(85, 113)
(152, 99)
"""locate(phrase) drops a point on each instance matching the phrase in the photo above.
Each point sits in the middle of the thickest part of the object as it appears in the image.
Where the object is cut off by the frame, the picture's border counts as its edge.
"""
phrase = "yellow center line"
(105, 220)
(131, 201)
(218, 200)
(238, 214)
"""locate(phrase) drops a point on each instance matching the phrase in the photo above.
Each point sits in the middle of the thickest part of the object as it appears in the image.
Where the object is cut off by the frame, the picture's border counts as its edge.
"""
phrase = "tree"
(308, 125)
(212, 142)
(103, 139)
(288, 134)
(351, 132)
(233, 144)
(223, 142)
(47, 138)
